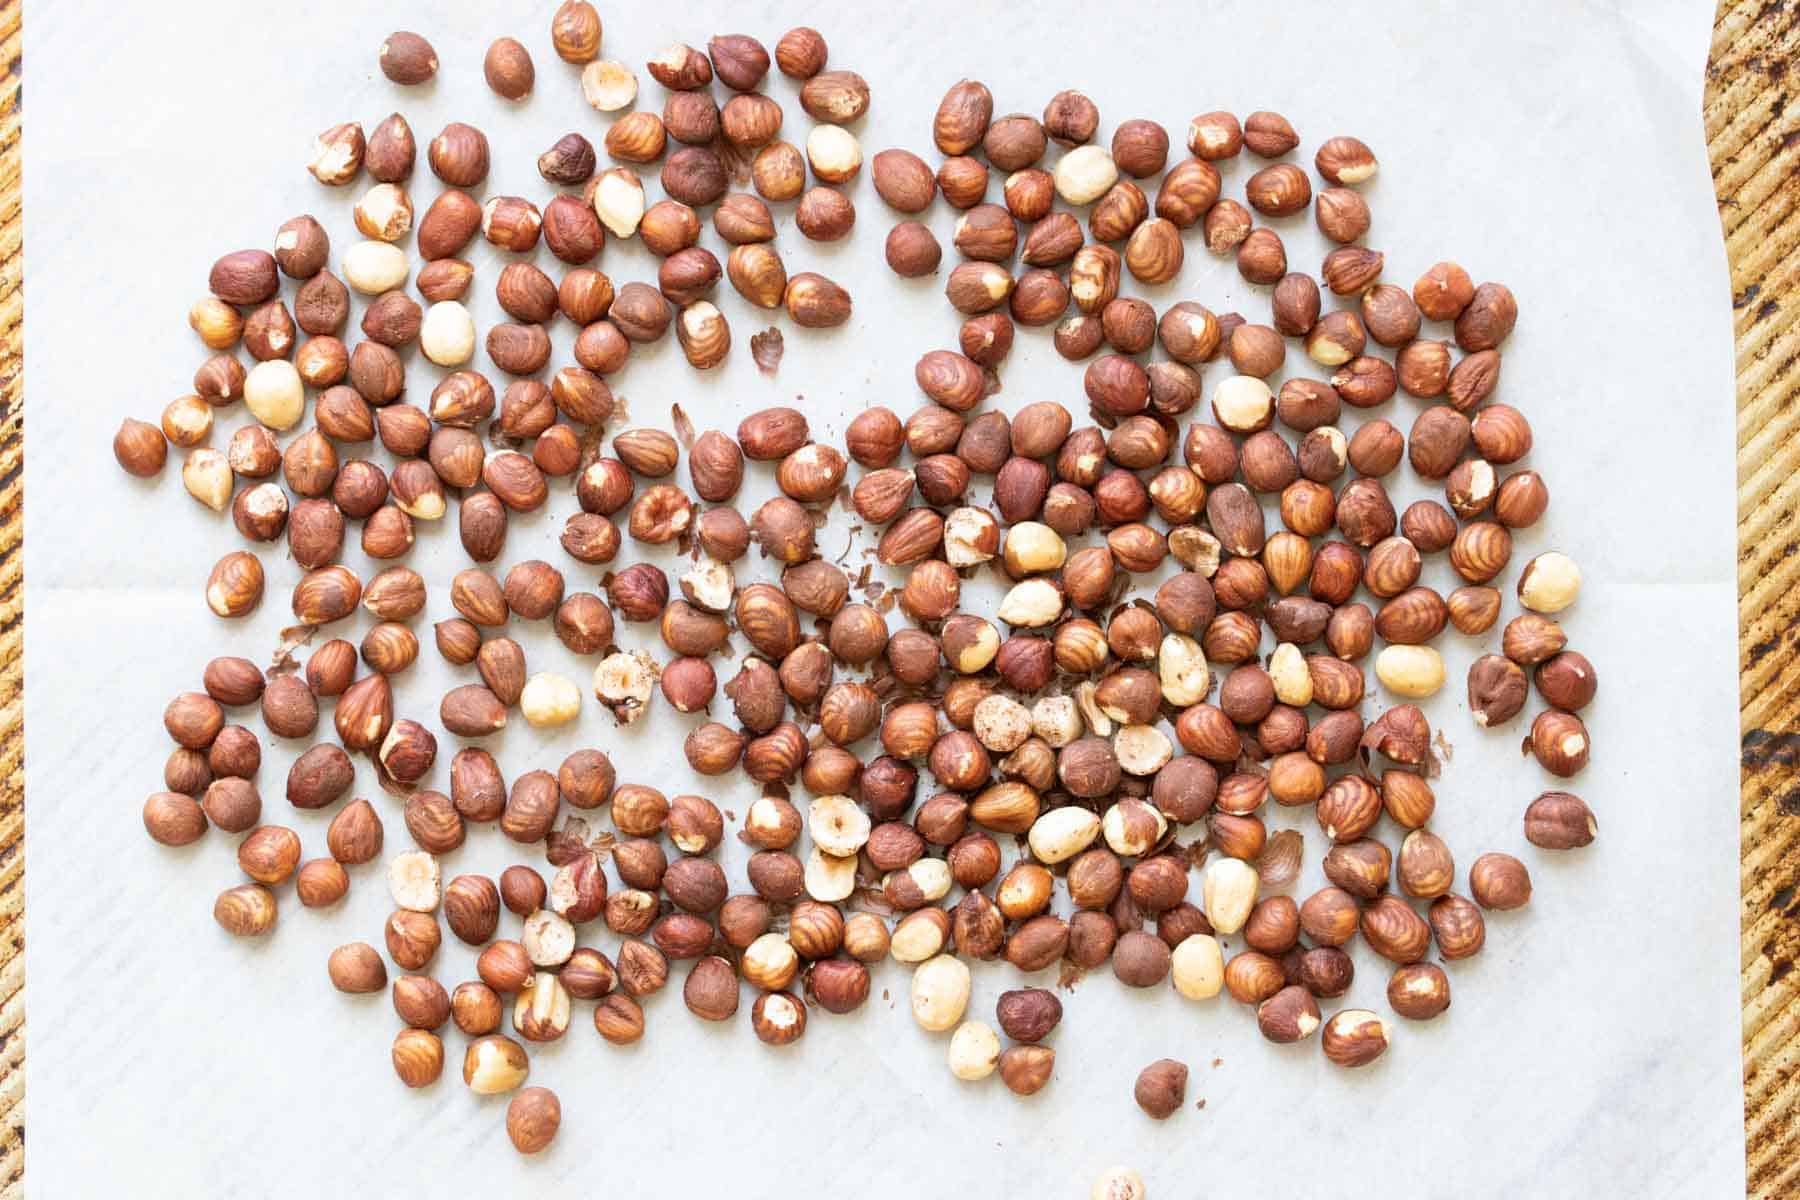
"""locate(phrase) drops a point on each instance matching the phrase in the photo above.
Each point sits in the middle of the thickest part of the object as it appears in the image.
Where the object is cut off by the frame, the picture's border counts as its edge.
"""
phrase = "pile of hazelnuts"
(1079, 722)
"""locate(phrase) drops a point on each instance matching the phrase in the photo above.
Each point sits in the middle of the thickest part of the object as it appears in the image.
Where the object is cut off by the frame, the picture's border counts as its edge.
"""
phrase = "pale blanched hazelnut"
(710, 584)
(1287, 671)
(274, 394)
(375, 267)
(1032, 547)
(1549, 583)
(1119, 1183)
(206, 474)
(1085, 174)
(1001, 723)
(974, 1047)
(550, 700)
(624, 682)
(548, 938)
(1198, 967)
(971, 537)
(1181, 666)
(940, 993)
(1142, 749)
(619, 201)
(1062, 833)
(838, 825)
(1057, 720)
(833, 153)
(1133, 828)
(447, 334)
(413, 881)
(1411, 671)
(1032, 604)
(919, 936)
(1228, 893)
(829, 878)
(608, 85)
(1243, 403)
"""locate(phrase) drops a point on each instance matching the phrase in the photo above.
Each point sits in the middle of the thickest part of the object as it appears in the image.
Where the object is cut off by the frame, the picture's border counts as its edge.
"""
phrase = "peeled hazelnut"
(1549, 583)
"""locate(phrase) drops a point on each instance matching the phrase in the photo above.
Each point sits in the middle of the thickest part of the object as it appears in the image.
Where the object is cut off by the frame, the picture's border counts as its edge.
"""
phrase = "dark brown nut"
(391, 150)
(1566, 681)
(1458, 926)
(1278, 191)
(815, 302)
(800, 53)
(1140, 959)
(247, 910)
(1345, 160)
(903, 180)
(1426, 868)
(962, 117)
(1118, 212)
(1496, 690)
(1487, 319)
(1499, 882)
(692, 117)
(1029, 194)
(1290, 1015)
(1559, 821)
(244, 277)
(835, 97)
(1052, 241)
(1348, 270)
(1390, 316)
(739, 60)
(1394, 931)
(1161, 1088)
(1269, 135)
(1559, 741)
(407, 58)
(1443, 292)
(1215, 135)
(1261, 257)
(825, 215)
(1419, 991)
(1014, 142)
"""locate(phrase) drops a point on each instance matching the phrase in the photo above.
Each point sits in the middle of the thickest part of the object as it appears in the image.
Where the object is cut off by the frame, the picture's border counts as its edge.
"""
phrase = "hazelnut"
(1549, 583)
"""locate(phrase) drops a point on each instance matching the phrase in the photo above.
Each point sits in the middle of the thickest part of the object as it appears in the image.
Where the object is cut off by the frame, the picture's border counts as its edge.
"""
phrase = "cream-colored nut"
(1549, 583)
(548, 938)
(619, 201)
(541, 1013)
(550, 700)
(1228, 893)
(375, 267)
(1086, 699)
(1181, 665)
(1118, 1183)
(931, 876)
(623, 682)
(974, 1048)
(839, 827)
(1243, 403)
(770, 962)
(1287, 670)
(1085, 174)
(494, 1065)
(1032, 604)
(1133, 828)
(1198, 967)
(1001, 723)
(1057, 720)
(274, 394)
(447, 334)
(207, 476)
(608, 85)
(829, 878)
(1142, 749)
(413, 881)
(1411, 671)
(1062, 833)
(710, 584)
(1032, 546)
(833, 152)
(384, 213)
(940, 993)
(918, 936)
(970, 537)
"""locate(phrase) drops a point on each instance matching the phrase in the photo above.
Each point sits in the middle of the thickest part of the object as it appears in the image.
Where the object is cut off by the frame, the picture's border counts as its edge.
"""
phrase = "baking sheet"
(1592, 1047)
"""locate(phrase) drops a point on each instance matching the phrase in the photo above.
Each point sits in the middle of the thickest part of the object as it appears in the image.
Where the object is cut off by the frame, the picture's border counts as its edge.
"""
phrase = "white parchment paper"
(1592, 1048)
